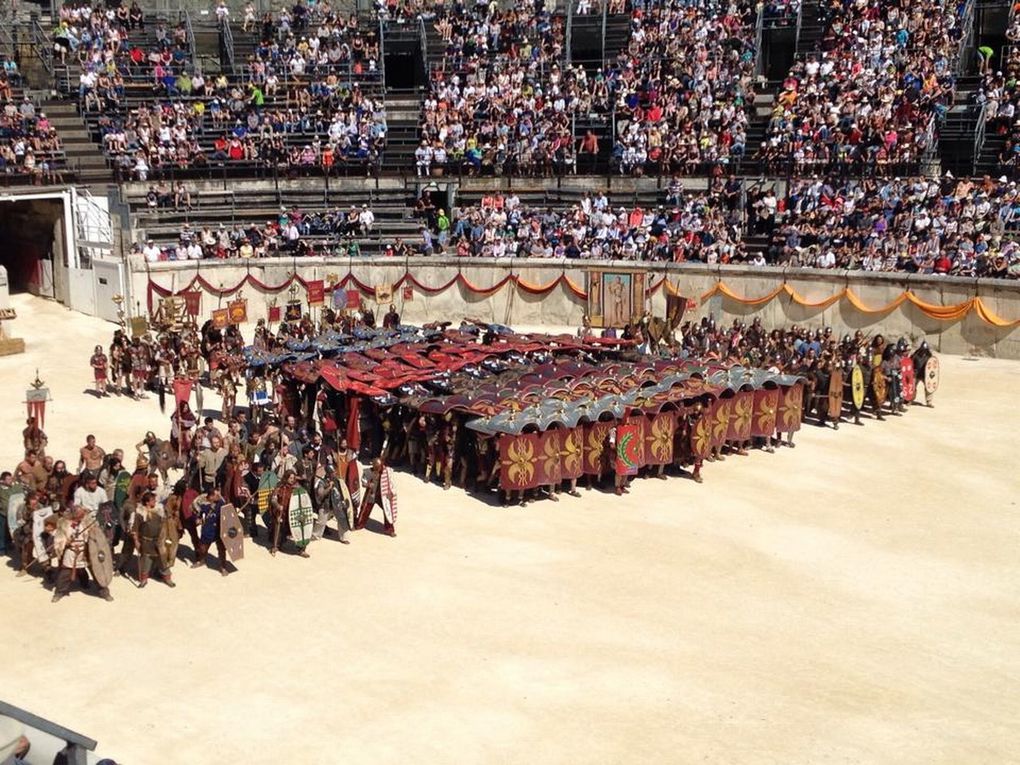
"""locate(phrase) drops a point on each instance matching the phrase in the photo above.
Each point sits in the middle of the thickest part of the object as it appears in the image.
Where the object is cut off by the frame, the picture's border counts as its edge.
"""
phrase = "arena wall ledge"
(538, 296)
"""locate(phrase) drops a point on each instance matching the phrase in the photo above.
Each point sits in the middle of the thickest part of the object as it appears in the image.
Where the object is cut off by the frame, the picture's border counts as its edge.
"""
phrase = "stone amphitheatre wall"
(524, 302)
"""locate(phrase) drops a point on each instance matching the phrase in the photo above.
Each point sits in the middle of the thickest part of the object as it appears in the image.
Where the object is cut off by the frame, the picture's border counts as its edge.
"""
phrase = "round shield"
(908, 381)
(836, 394)
(878, 386)
(931, 375)
(857, 386)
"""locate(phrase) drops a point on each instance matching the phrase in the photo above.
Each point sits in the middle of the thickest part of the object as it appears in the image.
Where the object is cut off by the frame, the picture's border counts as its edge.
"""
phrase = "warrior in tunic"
(379, 490)
(149, 521)
(71, 543)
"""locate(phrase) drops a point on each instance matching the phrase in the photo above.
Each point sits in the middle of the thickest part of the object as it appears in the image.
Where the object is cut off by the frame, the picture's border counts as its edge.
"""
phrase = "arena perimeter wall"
(561, 307)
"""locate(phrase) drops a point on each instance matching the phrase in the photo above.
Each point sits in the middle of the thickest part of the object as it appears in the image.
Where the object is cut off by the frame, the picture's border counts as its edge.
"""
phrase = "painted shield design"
(931, 375)
(878, 386)
(908, 380)
(857, 386)
(836, 394)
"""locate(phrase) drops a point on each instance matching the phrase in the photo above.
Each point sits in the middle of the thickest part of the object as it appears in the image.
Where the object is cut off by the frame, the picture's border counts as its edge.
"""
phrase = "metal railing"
(758, 26)
(382, 50)
(227, 46)
(979, 131)
(423, 43)
(192, 51)
(42, 45)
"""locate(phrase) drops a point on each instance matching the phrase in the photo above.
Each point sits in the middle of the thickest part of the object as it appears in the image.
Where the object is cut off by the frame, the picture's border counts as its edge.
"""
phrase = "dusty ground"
(850, 600)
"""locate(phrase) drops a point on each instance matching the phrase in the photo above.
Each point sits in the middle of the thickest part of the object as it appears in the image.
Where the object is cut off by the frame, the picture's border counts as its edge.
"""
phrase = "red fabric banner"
(353, 424)
(766, 405)
(316, 292)
(237, 311)
(274, 313)
(518, 456)
(354, 299)
(182, 390)
(220, 319)
(192, 301)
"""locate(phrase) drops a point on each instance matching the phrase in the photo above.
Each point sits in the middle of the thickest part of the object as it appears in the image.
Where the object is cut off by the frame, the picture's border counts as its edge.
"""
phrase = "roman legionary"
(379, 490)
(149, 520)
(100, 369)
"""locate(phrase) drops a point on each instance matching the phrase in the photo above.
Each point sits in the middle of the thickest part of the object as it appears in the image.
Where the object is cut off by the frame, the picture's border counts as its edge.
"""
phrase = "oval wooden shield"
(169, 537)
(232, 532)
(100, 556)
(878, 386)
(908, 381)
(836, 394)
(931, 375)
(857, 386)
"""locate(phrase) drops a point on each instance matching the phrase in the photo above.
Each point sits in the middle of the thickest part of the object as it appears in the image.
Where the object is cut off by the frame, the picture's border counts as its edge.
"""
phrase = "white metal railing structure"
(382, 49)
(190, 32)
(93, 228)
(967, 20)
(979, 132)
(42, 45)
(423, 43)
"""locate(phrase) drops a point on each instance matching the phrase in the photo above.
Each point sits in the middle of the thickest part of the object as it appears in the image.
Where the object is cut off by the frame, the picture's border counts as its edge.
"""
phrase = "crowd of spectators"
(310, 40)
(292, 232)
(701, 226)
(292, 110)
(875, 92)
(30, 149)
(502, 99)
(684, 87)
(915, 225)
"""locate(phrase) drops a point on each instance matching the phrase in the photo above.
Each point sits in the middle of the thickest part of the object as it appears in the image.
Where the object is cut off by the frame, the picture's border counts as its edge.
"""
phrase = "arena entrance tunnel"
(31, 244)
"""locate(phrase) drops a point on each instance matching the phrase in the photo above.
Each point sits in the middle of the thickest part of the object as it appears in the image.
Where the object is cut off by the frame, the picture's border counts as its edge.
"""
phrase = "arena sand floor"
(850, 600)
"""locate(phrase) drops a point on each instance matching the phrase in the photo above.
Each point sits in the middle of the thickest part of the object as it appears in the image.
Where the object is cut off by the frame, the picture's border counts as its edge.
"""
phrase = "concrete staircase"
(84, 158)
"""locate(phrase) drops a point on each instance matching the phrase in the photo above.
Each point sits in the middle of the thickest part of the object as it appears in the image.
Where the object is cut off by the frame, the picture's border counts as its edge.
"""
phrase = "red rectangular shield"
(629, 448)
(548, 467)
(791, 408)
(572, 452)
(518, 456)
(659, 439)
(595, 457)
(766, 404)
(742, 408)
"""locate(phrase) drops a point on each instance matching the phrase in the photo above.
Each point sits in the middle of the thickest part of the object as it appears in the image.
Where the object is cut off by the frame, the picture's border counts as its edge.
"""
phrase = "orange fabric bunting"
(931, 310)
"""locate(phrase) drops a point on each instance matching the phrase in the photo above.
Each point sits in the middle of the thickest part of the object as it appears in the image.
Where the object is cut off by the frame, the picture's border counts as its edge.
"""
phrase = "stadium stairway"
(83, 155)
